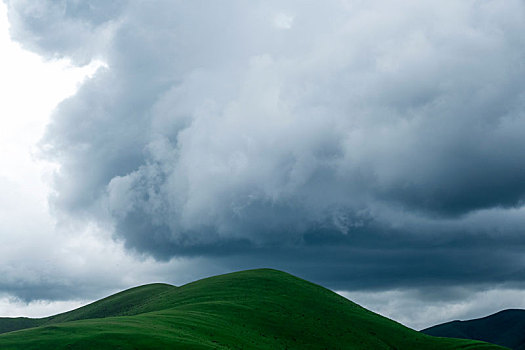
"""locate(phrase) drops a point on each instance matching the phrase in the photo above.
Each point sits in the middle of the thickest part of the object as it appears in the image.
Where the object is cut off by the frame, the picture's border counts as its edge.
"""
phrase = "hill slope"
(256, 309)
(506, 328)
(130, 302)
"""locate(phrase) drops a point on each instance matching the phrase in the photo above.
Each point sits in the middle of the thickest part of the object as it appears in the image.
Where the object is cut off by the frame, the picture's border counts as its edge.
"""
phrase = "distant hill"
(506, 328)
(255, 309)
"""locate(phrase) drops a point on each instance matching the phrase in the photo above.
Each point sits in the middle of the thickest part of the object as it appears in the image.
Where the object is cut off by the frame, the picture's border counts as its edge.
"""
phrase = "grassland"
(255, 309)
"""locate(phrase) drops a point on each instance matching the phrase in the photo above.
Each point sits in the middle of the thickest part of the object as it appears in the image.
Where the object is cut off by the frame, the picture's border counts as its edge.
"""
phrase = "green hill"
(256, 309)
(506, 328)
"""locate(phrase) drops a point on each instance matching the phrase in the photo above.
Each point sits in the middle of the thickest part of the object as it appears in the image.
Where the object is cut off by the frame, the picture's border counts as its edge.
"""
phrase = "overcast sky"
(373, 147)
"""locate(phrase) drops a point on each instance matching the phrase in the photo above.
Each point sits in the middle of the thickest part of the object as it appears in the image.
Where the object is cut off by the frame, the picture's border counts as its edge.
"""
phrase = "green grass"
(256, 309)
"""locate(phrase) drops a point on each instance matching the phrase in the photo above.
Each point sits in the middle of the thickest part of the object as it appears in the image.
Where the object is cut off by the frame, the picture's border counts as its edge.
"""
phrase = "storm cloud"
(361, 144)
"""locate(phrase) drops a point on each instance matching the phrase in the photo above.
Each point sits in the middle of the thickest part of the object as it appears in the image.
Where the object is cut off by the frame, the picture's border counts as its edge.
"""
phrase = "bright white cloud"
(283, 20)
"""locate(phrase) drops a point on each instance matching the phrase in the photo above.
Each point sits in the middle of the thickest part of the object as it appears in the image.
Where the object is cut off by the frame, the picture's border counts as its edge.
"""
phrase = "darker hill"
(506, 328)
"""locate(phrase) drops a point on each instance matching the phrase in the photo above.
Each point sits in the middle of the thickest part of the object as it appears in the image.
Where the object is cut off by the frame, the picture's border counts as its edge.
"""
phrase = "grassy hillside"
(505, 328)
(130, 302)
(256, 309)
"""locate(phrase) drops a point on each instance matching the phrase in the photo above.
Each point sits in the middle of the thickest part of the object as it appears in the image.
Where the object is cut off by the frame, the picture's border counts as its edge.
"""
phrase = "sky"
(373, 147)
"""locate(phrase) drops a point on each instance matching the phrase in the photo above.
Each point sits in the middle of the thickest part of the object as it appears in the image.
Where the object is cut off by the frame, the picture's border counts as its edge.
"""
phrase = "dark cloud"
(393, 260)
(79, 30)
(364, 145)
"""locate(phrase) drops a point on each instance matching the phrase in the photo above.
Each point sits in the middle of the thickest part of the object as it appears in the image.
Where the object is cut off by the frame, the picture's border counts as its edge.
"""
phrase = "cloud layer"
(362, 144)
